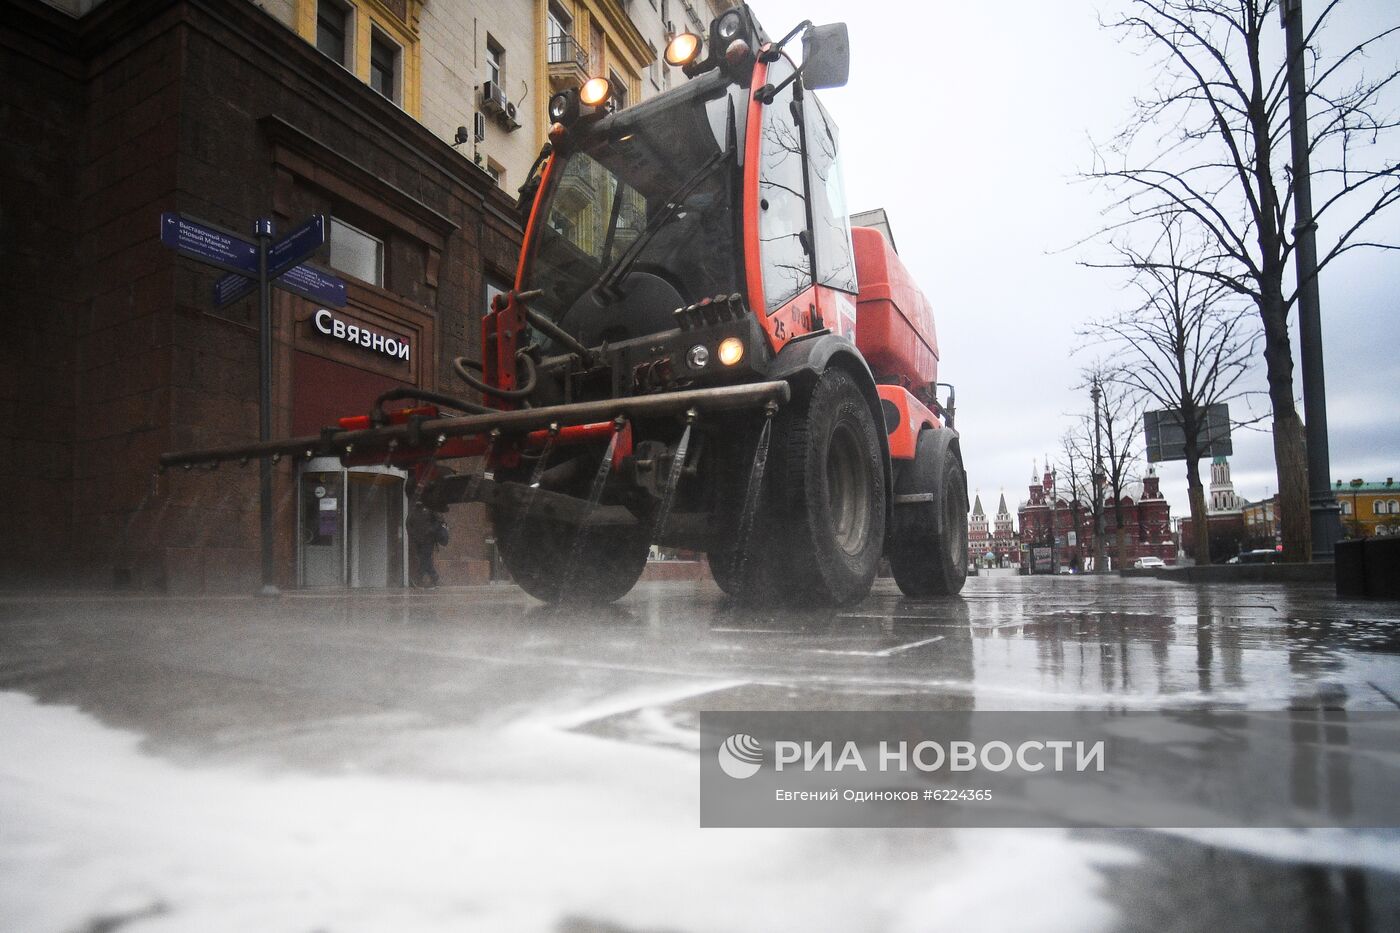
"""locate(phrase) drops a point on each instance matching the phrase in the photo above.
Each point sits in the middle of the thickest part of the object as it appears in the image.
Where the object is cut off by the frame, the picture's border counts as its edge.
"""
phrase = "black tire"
(722, 569)
(538, 553)
(928, 550)
(826, 526)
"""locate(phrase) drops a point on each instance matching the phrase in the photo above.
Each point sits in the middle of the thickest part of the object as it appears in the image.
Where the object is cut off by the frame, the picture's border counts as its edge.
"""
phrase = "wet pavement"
(472, 760)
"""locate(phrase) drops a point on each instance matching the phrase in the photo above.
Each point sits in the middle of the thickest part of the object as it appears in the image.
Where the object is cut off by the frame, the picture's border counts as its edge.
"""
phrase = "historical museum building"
(1146, 517)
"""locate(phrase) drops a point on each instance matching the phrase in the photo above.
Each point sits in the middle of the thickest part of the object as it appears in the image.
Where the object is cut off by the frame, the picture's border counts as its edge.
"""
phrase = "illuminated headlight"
(683, 49)
(595, 91)
(698, 356)
(731, 350)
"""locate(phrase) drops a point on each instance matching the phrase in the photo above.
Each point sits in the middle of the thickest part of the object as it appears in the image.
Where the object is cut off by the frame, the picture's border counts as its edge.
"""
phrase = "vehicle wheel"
(538, 553)
(928, 550)
(722, 569)
(827, 498)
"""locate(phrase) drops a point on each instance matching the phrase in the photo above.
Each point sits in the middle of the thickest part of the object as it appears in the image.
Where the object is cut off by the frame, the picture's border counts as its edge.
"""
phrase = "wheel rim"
(848, 490)
(955, 520)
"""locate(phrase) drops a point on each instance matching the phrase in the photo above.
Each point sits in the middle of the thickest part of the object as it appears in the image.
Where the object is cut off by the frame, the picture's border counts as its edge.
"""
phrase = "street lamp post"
(1322, 505)
(1355, 515)
(1098, 479)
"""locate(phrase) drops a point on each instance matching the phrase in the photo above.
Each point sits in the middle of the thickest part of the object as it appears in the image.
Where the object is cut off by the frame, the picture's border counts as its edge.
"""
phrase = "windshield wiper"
(614, 273)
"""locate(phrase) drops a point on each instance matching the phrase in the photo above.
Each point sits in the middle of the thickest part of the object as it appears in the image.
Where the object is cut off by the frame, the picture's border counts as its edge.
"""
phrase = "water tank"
(894, 321)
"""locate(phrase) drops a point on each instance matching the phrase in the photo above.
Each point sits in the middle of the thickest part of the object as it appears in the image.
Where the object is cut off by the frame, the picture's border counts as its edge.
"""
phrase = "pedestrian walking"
(427, 531)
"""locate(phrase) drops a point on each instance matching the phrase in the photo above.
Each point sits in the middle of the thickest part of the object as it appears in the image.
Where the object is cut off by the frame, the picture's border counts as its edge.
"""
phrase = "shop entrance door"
(376, 529)
(350, 527)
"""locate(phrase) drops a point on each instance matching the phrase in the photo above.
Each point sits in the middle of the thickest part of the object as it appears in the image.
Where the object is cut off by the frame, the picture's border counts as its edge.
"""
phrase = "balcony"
(568, 62)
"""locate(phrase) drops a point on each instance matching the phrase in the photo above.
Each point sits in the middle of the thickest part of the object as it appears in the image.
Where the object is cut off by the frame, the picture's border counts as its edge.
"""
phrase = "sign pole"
(1322, 505)
(263, 229)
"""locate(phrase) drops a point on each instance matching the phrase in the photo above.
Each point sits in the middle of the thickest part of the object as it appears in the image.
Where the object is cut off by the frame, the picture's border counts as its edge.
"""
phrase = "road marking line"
(883, 653)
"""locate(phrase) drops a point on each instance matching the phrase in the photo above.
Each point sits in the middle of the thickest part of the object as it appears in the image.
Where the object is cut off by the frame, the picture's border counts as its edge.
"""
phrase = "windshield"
(641, 219)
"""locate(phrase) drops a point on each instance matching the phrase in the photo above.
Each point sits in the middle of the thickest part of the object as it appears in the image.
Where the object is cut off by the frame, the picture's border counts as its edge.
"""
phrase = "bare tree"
(1211, 143)
(1074, 464)
(1119, 412)
(1186, 344)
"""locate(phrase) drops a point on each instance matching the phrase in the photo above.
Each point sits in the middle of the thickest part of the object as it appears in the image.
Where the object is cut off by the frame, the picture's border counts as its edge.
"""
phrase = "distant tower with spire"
(978, 541)
(1003, 532)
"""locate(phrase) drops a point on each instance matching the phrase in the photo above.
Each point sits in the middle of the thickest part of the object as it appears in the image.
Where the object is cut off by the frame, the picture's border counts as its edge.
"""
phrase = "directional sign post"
(258, 267)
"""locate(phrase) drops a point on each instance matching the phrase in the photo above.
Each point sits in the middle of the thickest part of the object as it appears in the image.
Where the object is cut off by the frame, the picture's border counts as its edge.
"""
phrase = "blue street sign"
(232, 287)
(296, 246)
(305, 280)
(208, 244)
(308, 281)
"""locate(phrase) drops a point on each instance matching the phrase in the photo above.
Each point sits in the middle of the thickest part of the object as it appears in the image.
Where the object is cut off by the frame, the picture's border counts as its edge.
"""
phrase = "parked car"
(1261, 556)
(1146, 563)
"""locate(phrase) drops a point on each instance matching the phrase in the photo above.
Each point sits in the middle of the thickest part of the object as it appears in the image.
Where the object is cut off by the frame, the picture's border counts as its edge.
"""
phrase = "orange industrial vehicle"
(698, 351)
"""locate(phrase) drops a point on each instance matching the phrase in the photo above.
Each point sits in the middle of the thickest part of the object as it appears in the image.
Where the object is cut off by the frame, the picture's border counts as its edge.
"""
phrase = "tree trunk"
(1121, 537)
(1200, 530)
(1290, 452)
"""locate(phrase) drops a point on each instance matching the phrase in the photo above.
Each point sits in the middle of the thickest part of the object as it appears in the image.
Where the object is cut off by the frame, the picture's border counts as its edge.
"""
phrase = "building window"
(333, 30)
(494, 169)
(654, 68)
(596, 42)
(1346, 507)
(376, 40)
(619, 89)
(356, 253)
(495, 57)
(384, 65)
(1378, 508)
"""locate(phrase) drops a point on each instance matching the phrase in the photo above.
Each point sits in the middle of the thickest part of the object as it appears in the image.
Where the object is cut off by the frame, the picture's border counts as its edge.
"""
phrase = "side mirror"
(826, 56)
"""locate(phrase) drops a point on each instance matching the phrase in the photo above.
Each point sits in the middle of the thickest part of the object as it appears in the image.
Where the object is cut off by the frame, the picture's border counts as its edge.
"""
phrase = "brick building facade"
(116, 352)
(1147, 525)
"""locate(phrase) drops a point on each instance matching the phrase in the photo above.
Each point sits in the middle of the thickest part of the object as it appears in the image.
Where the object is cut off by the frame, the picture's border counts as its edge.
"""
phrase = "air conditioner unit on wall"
(493, 98)
(479, 126)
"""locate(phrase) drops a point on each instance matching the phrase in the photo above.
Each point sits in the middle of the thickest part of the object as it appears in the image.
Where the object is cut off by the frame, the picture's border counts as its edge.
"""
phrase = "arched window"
(1394, 507)
(1378, 507)
(1346, 507)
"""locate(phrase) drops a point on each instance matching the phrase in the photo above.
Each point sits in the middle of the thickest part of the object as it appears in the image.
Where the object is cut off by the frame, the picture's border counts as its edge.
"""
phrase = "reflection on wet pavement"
(472, 759)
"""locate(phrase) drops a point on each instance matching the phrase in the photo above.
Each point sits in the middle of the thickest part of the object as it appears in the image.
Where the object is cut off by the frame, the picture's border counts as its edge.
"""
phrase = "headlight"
(729, 25)
(731, 350)
(595, 92)
(698, 356)
(683, 49)
(558, 107)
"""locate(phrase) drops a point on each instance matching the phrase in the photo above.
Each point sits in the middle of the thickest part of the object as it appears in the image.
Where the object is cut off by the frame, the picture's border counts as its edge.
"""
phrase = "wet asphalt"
(471, 759)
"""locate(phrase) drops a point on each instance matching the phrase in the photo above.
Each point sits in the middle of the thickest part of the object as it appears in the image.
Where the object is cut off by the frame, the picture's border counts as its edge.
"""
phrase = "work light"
(731, 350)
(729, 25)
(595, 92)
(559, 107)
(683, 49)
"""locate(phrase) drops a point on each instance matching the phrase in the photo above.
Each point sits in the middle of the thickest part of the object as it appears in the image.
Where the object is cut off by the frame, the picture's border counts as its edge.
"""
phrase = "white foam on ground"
(554, 824)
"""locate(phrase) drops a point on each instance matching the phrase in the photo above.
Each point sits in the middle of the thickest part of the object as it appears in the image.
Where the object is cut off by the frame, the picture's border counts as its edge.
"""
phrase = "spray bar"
(724, 398)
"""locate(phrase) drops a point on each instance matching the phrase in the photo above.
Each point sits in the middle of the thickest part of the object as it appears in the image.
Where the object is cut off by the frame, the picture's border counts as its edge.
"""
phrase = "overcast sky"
(969, 122)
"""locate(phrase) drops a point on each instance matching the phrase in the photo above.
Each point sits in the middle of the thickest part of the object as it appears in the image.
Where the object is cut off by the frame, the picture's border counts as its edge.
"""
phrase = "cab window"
(831, 226)
(782, 200)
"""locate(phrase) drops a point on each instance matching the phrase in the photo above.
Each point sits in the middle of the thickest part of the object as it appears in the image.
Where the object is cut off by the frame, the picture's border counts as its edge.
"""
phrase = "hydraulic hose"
(377, 415)
(463, 368)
